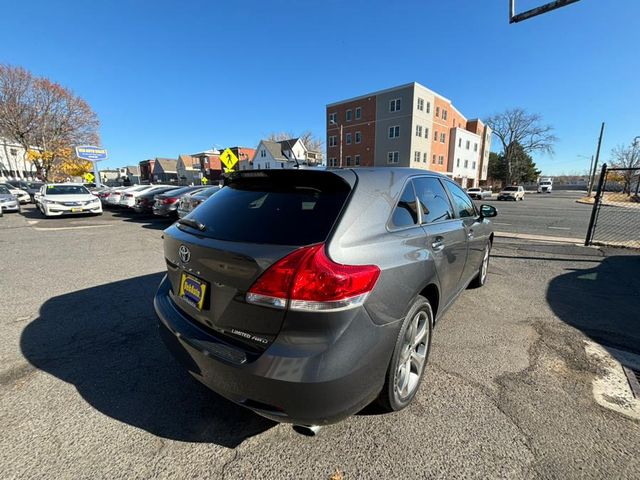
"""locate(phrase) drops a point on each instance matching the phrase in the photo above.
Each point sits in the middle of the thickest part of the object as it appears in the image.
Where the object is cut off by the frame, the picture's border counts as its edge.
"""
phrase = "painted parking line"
(500, 223)
(79, 227)
(542, 238)
(560, 228)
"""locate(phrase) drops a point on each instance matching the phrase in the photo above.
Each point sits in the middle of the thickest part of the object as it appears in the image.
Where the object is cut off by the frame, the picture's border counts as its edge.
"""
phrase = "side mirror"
(488, 211)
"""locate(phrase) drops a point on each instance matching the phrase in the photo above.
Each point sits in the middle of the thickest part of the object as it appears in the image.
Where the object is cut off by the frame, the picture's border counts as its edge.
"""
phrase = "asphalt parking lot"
(88, 390)
(556, 214)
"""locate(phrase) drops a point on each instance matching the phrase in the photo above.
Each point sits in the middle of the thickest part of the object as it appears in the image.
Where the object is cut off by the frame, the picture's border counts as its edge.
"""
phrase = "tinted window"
(433, 200)
(4, 190)
(461, 201)
(277, 207)
(511, 189)
(406, 212)
(66, 190)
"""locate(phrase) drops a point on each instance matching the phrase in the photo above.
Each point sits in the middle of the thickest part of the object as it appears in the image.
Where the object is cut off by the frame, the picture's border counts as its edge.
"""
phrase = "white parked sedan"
(22, 195)
(57, 199)
(128, 196)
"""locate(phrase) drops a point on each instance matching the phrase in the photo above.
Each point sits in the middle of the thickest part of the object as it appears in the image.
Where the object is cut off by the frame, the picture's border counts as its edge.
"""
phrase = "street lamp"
(333, 122)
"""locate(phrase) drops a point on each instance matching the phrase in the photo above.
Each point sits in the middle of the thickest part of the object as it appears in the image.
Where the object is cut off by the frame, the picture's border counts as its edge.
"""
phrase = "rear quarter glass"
(280, 208)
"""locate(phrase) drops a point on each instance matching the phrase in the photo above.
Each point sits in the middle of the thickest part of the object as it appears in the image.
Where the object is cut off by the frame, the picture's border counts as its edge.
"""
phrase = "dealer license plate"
(193, 290)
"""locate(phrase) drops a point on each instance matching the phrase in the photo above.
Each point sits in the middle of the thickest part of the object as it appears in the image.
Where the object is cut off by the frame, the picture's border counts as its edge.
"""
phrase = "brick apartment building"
(408, 126)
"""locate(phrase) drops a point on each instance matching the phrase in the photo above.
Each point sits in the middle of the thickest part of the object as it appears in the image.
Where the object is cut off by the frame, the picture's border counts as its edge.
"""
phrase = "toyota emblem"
(184, 253)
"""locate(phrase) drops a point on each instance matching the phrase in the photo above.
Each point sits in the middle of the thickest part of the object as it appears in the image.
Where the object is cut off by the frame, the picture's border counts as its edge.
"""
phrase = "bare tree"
(624, 156)
(18, 113)
(307, 137)
(516, 129)
(45, 118)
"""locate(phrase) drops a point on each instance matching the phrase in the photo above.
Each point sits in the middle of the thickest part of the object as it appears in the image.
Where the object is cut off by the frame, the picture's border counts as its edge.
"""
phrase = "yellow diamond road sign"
(229, 159)
(205, 180)
(89, 177)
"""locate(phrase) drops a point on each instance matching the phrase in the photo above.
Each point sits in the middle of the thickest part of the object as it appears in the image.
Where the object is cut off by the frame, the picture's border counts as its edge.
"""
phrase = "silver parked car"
(305, 295)
(8, 201)
(190, 201)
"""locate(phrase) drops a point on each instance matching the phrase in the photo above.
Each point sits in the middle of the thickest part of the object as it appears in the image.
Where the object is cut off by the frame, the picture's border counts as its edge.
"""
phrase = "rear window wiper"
(189, 222)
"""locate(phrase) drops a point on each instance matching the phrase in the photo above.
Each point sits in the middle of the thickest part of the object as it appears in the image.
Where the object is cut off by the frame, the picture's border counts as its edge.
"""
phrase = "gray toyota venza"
(306, 294)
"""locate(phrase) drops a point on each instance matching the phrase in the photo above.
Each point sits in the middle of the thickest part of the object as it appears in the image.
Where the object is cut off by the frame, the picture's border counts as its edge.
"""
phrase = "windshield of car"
(474, 189)
(207, 193)
(66, 190)
(511, 189)
(4, 190)
(176, 192)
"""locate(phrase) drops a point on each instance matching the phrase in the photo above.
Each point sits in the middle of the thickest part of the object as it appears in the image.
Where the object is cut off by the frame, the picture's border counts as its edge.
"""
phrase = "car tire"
(481, 278)
(407, 366)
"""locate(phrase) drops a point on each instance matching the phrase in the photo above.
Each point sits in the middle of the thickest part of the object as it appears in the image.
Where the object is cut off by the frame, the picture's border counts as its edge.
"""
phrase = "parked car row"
(161, 200)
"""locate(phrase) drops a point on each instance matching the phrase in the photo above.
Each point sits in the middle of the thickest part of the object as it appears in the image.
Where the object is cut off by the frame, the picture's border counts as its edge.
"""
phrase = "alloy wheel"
(413, 355)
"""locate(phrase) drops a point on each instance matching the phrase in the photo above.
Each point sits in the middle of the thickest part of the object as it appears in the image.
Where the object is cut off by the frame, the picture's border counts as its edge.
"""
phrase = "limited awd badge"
(184, 254)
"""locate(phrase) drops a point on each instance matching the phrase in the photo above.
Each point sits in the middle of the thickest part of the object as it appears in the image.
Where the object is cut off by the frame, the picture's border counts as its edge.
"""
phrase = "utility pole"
(595, 165)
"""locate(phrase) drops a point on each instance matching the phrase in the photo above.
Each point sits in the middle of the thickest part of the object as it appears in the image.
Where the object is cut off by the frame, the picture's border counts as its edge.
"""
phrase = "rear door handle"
(470, 234)
(437, 244)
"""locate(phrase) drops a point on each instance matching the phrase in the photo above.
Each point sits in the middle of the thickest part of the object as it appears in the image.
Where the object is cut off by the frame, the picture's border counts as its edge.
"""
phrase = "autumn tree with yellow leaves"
(47, 120)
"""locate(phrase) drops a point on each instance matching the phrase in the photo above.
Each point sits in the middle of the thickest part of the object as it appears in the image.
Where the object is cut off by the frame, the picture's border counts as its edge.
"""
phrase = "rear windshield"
(511, 189)
(285, 208)
(66, 190)
(179, 191)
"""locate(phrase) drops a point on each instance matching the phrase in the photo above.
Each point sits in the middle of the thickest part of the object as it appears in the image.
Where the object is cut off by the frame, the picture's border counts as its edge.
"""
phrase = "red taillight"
(310, 281)
(169, 201)
(128, 195)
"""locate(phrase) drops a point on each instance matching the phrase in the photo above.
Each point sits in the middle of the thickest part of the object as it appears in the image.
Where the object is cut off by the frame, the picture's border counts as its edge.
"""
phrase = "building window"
(267, 165)
(393, 157)
(348, 160)
(443, 137)
(441, 160)
(434, 159)
(395, 105)
(332, 118)
(394, 132)
(468, 144)
(437, 111)
(358, 137)
(444, 114)
(358, 113)
(418, 130)
(416, 156)
(424, 157)
(428, 107)
(348, 138)
(466, 164)
(348, 115)
(332, 162)
(263, 153)
(435, 135)
(420, 104)
(475, 147)
(457, 162)
(333, 141)
(460, 142)
(426, 132)
(356, 160)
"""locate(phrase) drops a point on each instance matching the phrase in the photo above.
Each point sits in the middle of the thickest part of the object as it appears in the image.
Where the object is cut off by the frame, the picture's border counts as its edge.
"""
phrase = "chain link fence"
(615, 218)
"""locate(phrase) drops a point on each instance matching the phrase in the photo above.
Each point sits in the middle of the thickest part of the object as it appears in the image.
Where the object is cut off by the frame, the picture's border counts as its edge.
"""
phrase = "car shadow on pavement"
(602, 301)
(146, 220)
(104, 340)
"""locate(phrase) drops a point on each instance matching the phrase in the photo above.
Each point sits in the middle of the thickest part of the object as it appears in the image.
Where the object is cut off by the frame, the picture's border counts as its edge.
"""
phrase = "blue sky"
(177, 77)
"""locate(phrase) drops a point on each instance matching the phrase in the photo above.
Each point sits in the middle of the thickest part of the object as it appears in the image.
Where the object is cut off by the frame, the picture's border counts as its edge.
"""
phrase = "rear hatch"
(224, 245)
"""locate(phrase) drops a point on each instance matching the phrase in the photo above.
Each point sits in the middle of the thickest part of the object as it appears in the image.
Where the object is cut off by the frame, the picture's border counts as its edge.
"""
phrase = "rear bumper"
(297, 379)
(165, 211)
